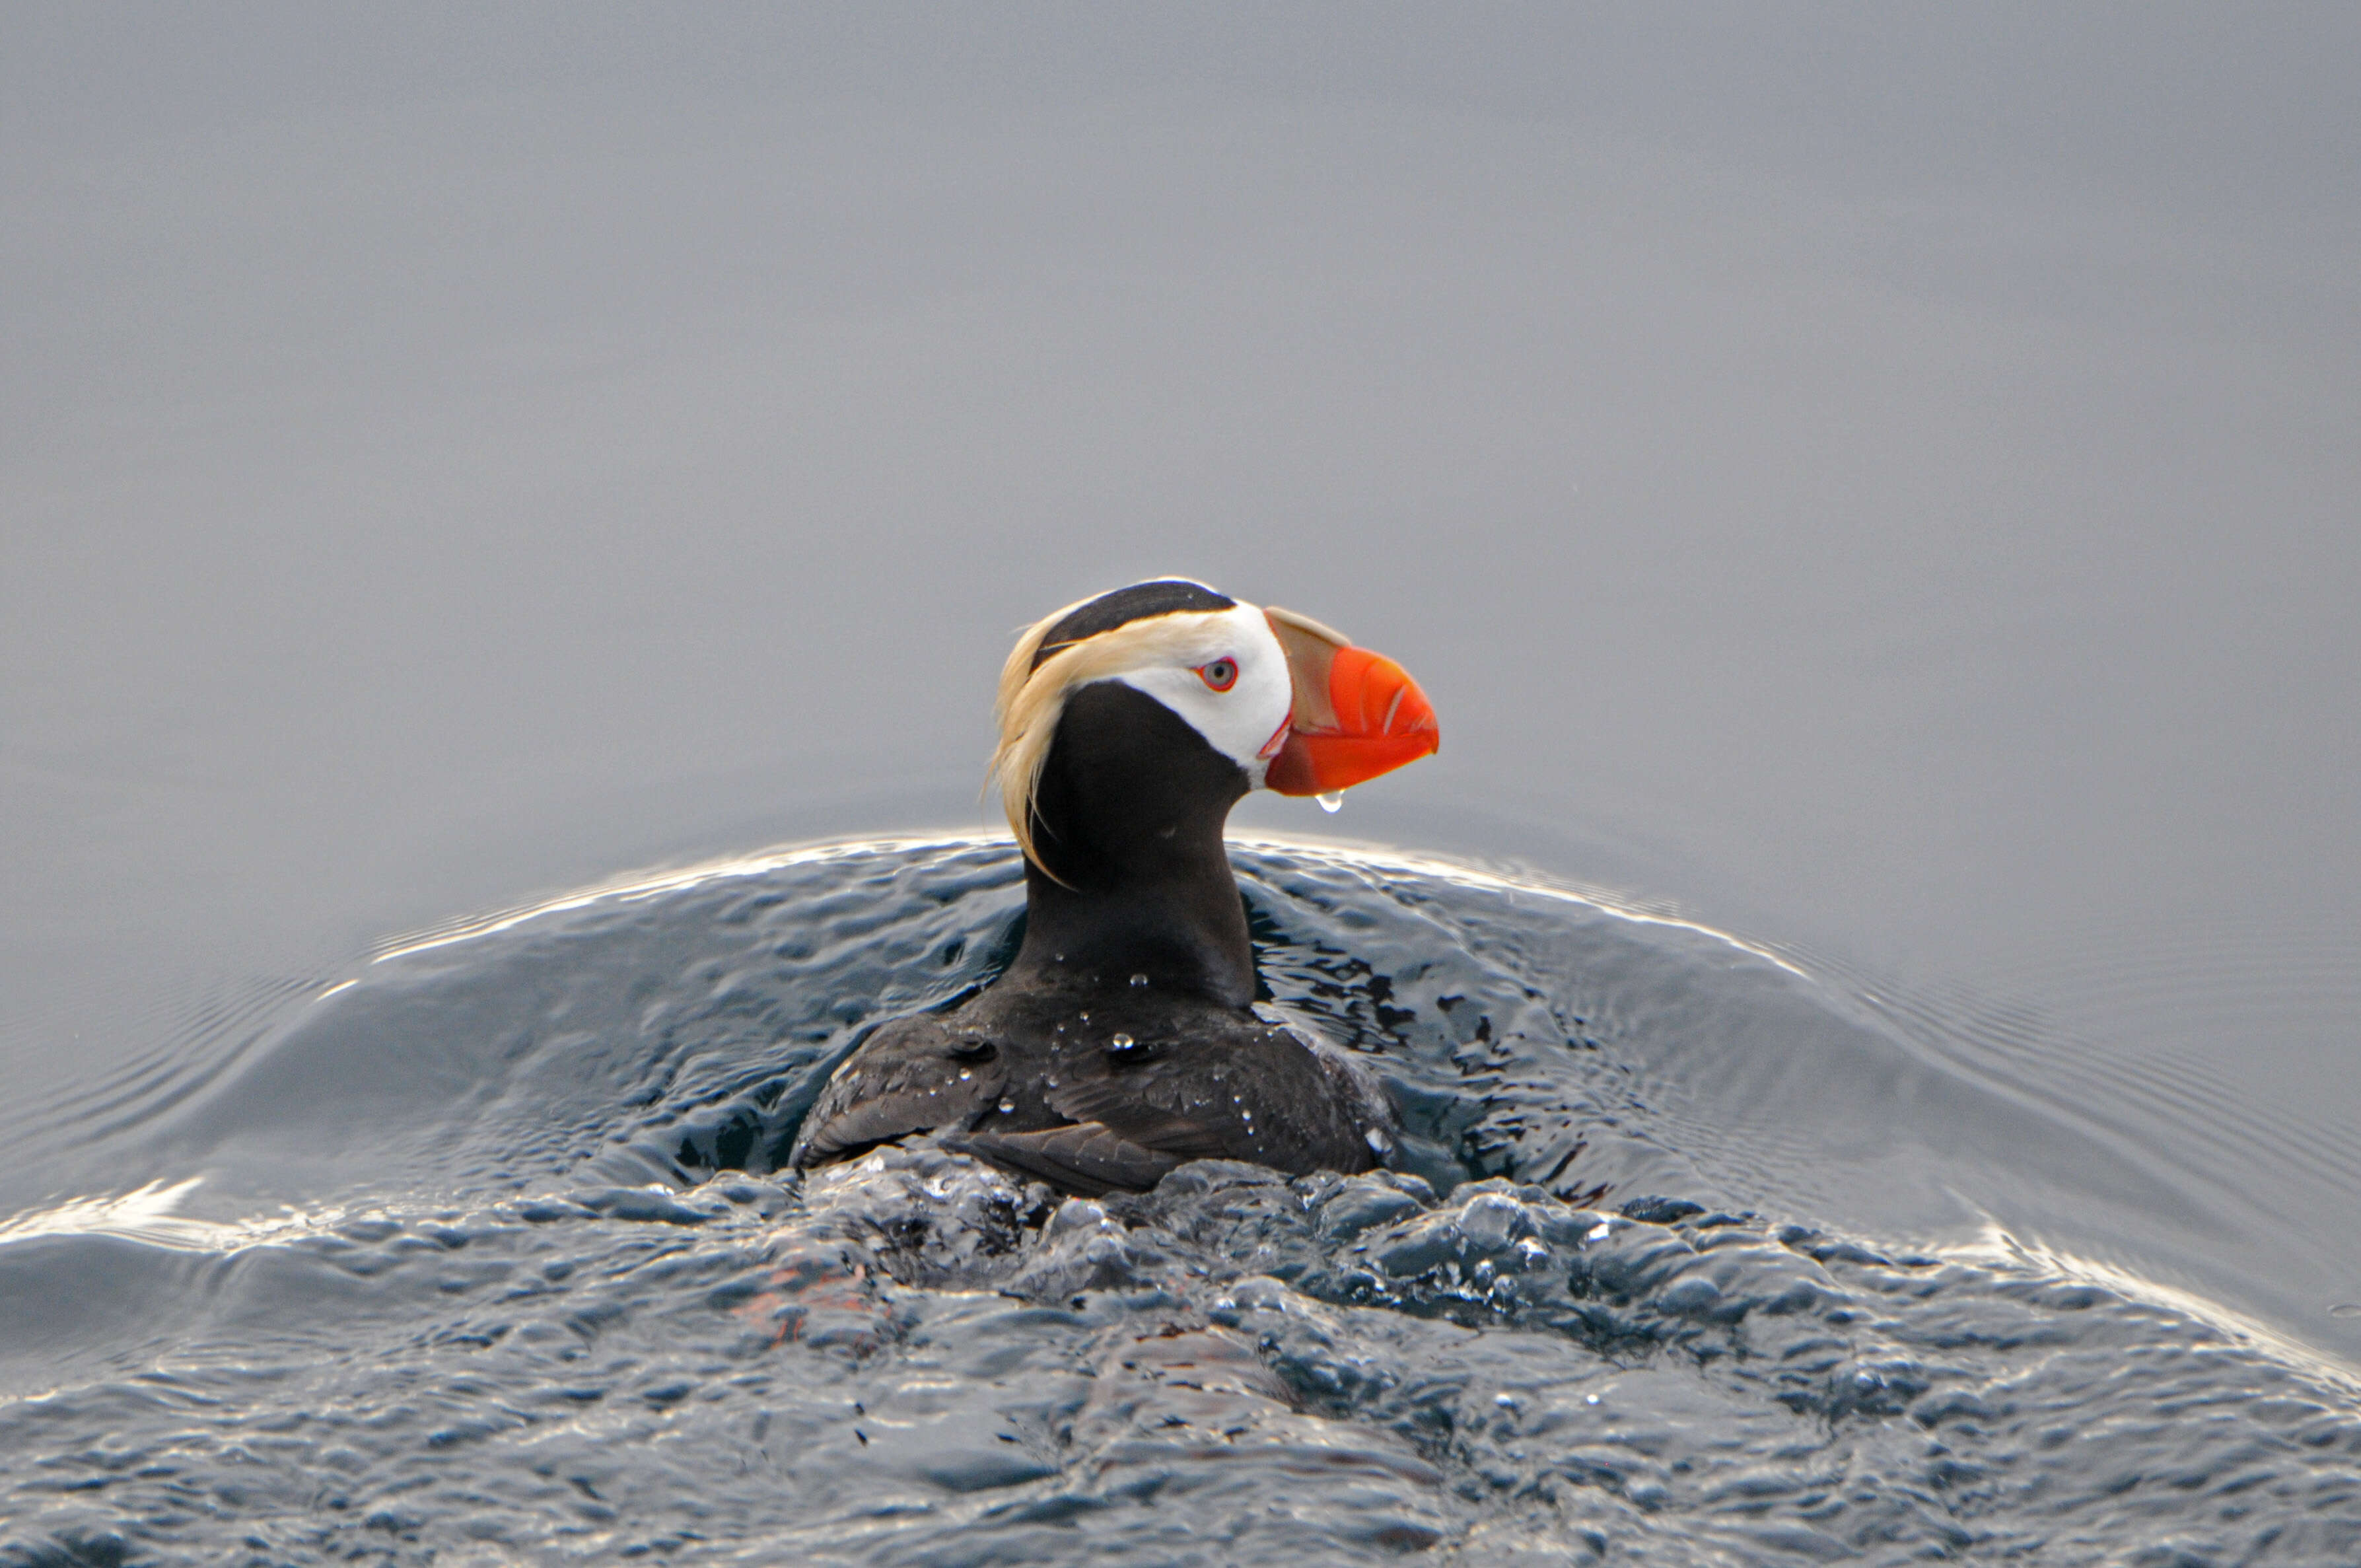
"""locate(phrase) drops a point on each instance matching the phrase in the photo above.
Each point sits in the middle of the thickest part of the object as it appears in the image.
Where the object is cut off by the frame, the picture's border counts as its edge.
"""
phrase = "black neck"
(1129, 816)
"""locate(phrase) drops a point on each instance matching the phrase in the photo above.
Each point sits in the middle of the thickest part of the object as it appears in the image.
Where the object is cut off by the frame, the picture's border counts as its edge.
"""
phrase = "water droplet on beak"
(1333, 801)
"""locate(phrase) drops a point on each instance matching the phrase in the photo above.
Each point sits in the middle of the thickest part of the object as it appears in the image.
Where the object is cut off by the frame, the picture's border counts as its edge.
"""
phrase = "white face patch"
(1243, 723)
(1178, 659)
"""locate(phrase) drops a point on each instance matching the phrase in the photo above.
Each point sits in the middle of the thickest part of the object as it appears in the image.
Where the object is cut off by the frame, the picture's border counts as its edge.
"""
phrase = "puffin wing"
(1153, 1111)
(911, 1075)
(1261, 1095)
(1187, 1100)
(1083, 1157)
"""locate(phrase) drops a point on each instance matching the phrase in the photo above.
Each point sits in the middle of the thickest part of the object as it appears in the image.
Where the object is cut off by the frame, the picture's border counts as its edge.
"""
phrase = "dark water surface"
(482, 1252)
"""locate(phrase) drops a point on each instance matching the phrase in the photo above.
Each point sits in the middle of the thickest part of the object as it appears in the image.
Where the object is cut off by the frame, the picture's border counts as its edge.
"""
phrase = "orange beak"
(1358, 714)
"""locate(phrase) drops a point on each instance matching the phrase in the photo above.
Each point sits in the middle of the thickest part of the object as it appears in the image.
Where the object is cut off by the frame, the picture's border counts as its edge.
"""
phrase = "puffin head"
(1293, 706)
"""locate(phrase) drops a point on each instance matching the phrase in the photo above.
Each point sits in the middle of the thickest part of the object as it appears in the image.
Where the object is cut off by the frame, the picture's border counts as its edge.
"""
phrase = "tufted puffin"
(1122, 1040)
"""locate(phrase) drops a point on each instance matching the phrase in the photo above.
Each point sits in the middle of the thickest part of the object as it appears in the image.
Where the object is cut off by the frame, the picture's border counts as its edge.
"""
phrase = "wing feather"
(906, 1078)
(1083, 1157)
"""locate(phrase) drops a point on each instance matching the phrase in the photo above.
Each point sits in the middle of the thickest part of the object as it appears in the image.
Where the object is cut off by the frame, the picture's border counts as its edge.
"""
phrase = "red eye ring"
(1221, 674)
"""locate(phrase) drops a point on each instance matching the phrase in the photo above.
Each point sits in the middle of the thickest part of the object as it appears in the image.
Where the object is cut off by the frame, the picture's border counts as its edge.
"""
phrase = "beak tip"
(1366, 717)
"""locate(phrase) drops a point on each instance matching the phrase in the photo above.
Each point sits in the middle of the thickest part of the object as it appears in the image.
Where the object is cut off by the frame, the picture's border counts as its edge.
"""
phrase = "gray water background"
(1882, 483)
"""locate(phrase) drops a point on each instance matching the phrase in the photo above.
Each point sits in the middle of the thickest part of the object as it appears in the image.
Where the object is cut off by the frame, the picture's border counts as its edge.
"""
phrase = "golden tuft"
(1032, 700)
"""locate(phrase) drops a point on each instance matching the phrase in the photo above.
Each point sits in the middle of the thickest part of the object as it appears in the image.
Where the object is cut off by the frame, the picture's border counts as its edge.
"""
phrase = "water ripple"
(1693, 1256)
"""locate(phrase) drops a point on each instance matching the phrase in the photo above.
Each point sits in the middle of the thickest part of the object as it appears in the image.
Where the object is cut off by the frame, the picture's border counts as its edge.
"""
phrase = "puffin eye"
(1221, 674)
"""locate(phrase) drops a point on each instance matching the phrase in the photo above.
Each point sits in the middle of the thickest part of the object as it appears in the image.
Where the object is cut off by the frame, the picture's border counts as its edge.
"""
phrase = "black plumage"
(1095, 1087)
(1121, 1041)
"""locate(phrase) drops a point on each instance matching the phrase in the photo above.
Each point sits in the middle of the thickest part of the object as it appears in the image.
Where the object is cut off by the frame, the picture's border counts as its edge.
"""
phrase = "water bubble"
(1006, 1106)
(1121, 1043)
(1139, 979)
(966, 1073)
(1333, 801)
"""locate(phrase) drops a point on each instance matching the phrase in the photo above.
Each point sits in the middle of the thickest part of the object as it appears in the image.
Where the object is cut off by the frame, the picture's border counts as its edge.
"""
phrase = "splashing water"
(492, 1253)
